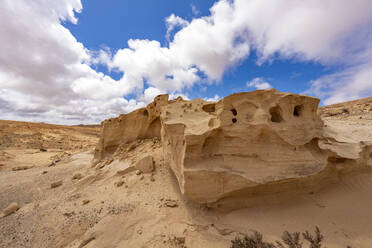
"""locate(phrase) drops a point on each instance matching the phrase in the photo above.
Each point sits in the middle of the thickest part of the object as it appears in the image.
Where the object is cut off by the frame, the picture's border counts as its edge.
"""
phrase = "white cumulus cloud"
(330, 32)
(44, 71)
(46, 74)
(207, 45)
(172, 22)
(259, 84)
(216, 98)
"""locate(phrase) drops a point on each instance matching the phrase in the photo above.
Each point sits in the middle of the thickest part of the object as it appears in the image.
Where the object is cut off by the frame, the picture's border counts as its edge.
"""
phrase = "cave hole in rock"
(234, 120)
(276, 114)
(145, 113)
(234, 112)
(209, 108)
(297, 111)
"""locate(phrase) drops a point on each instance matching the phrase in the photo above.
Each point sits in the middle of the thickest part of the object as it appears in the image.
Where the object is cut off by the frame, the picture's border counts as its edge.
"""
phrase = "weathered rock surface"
(247, 144)
(140, 124)
(77, 176)
(146, 164)
(56, 184)
(243, 141)
(12, 208)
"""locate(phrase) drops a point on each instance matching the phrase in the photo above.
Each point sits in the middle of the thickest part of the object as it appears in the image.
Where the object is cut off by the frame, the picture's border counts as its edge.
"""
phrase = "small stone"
(69, 214)
(19, 168)
(86, 201)
(138, 172)
(131, 147)
(119, 184)
(52, 164)
(152, 179)
(77, 176)
(86, 241)
(109, 161)
(12, 208)
(56, 184)
(142, 177)
(45, 172)
(43, 149)
(171, 203)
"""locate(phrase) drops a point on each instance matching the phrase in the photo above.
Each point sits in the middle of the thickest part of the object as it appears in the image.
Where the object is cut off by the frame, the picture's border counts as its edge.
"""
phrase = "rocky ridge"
(246, 146)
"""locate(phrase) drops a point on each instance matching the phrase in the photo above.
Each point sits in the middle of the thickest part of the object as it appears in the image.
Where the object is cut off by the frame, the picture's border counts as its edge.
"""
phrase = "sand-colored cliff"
(246, 146)
(143, 123)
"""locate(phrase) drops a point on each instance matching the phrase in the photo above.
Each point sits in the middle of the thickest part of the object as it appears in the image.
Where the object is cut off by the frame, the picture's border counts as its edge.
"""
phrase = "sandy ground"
(136, 214)
(103, 209)
(28, 135)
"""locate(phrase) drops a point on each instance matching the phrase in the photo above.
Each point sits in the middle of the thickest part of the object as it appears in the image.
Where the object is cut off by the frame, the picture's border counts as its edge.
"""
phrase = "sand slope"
(136, 214)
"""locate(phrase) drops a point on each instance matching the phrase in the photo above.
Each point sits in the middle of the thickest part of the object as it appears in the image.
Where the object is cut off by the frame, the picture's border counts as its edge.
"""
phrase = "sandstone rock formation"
(145, 165)
(244, 141)
(247, 144)
(12, 208)
(139, 124)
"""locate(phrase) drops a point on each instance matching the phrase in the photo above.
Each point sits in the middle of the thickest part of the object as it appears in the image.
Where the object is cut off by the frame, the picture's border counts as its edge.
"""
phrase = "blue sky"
(111, 24)
(79, 61)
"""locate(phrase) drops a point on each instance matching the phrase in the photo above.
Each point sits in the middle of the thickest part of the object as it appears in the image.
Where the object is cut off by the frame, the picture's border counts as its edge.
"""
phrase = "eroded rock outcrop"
(140, 124)
(247, 144)
(243, 141)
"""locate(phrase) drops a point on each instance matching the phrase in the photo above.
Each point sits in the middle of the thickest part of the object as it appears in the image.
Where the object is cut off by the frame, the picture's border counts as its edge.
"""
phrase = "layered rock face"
(140, 124)
(247, 144)
(243, 141)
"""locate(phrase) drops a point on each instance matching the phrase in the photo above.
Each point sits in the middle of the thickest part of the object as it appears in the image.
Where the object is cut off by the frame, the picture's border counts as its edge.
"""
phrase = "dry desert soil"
(65, 202)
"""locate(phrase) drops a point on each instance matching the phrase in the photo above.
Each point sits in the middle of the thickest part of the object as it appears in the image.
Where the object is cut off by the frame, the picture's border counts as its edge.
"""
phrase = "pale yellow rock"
(56, 184)
(119, 183)
(245, 145)
(125, 171)
(241, 142)
(77, 176)
(146, 164)
(139, 124)
(19, 168)
(12, 208)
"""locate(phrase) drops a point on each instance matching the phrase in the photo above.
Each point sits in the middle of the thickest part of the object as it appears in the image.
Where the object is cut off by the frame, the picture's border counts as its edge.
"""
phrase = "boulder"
(146, 164)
